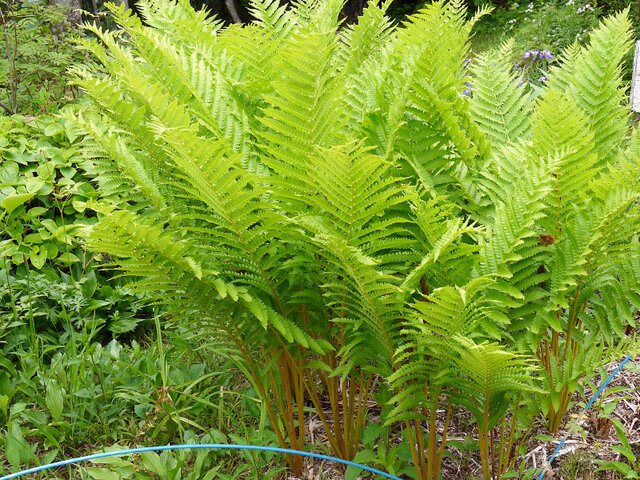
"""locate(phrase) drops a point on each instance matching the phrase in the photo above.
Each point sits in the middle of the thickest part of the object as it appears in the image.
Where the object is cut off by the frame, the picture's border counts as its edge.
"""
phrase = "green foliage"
(585, 206)
(185, 465)
(46, 275)
(556, 25)
(41, 193)
(74, 392)
(332, 201)
(628, 468)
(552, 25)
(37, 50)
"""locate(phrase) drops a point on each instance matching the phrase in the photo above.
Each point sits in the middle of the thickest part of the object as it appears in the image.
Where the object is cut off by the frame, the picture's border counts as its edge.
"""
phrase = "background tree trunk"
(120, 2)
(231, 7)
(72, 9)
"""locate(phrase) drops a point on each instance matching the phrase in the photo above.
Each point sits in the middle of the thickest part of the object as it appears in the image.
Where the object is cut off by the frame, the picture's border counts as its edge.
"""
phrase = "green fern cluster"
(326, 196)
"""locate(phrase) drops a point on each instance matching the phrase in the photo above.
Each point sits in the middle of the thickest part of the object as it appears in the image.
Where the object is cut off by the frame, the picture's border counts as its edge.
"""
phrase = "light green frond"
(501, 109)
(432, 73)
(365, 38)
(318, 16)
(444, 257)
(255, 53)
(301, 115)
(488, 373)
(355, 194)
(134, 167)
(560, 75)
(513, 231)
(513, 250)
(599, 244)
(451, 311)
(360, 296)
(160, 260)
(569, 148)
(170, 267)
(426, 364)
(180, 21)
(594, 81)
(273, 17)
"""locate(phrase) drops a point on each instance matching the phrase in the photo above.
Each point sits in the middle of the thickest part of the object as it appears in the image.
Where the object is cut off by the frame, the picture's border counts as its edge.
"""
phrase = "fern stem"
(484, 454)
(432, 443)
(260, 386)
(335, 411)
(521, 443)
(506, 457)
(344, 411)
(315, 400)
(363, 399)
(501, 452)
(348, 420)
(555, 341)
(572, 317)
(417, 464)
(492, 453)
(299, 393)
(483, 441)
(443, 442)
(288, 405)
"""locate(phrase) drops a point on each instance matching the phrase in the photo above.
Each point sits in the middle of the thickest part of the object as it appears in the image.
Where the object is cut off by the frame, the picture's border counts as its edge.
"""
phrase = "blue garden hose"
(575, 424)
(130, 451)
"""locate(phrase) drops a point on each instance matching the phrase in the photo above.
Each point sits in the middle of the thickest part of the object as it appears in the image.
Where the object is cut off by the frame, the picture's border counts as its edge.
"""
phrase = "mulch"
(590, 439)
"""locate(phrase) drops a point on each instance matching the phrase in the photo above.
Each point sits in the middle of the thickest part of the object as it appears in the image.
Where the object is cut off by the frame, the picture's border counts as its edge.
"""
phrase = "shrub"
(334, 206)
(555, 26)
(35, 57)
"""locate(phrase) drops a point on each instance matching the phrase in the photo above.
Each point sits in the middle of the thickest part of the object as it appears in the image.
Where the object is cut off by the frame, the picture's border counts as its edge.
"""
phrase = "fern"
(329, 203)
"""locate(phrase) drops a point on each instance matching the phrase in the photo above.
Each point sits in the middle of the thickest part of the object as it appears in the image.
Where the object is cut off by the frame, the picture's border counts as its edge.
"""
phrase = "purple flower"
(519, 83)
(542, 79)
(547, 54)
(467, 92)
(517, 67)
(526, 54)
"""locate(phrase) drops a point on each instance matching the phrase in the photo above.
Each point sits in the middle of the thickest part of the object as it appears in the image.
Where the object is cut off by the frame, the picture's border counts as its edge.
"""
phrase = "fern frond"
(364, 39)
(273, 17)
(180, 21)
(570, 149)
(318, 16)
(595, 83)
(426, 362)
(301, 116)
(500, 108)
(432, 74)
(444, 257)
(489, 373)
(560, 75)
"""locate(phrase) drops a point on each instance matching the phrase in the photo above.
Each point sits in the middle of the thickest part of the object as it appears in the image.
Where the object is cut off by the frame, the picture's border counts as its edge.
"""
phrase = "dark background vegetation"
(398, 8)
